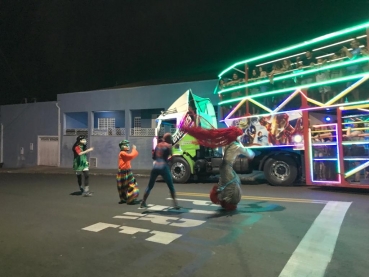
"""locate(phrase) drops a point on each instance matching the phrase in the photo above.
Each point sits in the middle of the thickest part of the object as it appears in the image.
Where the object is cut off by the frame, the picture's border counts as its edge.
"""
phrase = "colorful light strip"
(356, 169)
(296, 74)
(354, 107)
(325, 125)
(347, 90)
(314, 102)
(299, 110)
(236, 108)
(355, 142)
(264, 94)
(363, 128)
(331, 54)
(356, 159)
(337, 43)
(324, 144)
(355, 115)
(327, 159)
(260, 105)
(288, 99)
(281, 59)
(300, 45)
(270, 146)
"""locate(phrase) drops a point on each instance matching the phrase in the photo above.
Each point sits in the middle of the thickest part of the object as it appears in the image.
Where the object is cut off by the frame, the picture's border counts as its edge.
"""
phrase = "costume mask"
(124, 145)
(82, 140)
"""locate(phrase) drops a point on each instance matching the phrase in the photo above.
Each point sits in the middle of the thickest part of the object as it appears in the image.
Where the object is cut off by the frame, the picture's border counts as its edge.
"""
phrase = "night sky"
(48, 47)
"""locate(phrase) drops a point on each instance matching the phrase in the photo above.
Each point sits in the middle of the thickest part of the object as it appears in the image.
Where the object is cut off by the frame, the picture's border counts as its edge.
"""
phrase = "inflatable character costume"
(227, 192)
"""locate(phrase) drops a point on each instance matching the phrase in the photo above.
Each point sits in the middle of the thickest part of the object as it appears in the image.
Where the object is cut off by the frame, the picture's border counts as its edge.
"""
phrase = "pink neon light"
(328, 159)
(324, 125)
(328, 182)
(337, 162)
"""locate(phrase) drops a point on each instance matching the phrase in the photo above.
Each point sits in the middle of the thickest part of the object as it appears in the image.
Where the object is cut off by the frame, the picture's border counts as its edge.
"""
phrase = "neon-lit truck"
(306, 108)
(189, 159)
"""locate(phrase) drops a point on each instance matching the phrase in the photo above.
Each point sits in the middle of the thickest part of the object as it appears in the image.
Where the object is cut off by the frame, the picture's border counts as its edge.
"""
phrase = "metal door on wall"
(48, 153)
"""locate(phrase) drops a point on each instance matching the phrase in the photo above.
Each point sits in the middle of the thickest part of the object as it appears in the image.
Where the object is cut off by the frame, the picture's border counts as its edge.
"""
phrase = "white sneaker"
(87, 194)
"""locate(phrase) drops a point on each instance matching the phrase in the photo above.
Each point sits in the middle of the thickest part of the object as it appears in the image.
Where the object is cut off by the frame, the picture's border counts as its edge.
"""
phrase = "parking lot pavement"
(254, 177)
(49, 230)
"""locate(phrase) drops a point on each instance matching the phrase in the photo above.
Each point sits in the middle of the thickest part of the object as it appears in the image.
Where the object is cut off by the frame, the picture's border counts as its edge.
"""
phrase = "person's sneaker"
(175, 205)
(87, 194)
(81, 189)
(122, 202)
(143, 205)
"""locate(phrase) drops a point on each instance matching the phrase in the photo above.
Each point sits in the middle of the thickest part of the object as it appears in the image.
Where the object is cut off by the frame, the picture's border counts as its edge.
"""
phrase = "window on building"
(105, 123)
(137, 122)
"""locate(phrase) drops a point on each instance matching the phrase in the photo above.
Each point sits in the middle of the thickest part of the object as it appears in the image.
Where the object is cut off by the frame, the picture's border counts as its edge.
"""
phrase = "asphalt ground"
(48, 229)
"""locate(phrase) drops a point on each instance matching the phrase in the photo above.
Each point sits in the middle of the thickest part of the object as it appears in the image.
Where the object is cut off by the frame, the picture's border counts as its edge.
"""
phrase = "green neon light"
(279, 91)
(300, 45)
(337, 65)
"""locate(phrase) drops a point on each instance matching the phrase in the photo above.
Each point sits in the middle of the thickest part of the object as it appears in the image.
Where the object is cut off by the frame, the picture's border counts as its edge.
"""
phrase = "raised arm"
(129, 156)
(79, 152)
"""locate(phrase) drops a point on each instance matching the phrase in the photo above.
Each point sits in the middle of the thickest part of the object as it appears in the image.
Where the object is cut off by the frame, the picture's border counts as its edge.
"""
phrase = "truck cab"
(189, 158)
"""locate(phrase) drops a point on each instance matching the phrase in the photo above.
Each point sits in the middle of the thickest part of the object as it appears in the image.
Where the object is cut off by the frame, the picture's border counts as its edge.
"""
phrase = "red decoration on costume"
(213, 137)
(214, 195)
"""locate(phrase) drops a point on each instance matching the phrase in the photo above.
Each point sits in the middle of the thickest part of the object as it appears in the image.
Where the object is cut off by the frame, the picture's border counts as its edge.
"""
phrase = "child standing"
(81, 165)
(126, 182)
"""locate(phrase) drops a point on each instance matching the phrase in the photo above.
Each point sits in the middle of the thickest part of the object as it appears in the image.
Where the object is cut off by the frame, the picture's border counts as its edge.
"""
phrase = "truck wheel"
(280, 170)
(180, 170)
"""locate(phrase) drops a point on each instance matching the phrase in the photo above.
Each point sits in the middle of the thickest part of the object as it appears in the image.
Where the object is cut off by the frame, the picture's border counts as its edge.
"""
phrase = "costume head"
(81, 140)
(124, 145)
(168, 138)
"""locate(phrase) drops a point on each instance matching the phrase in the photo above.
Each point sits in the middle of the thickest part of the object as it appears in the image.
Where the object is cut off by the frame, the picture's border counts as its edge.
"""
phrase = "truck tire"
(180, 170)
(280, 170)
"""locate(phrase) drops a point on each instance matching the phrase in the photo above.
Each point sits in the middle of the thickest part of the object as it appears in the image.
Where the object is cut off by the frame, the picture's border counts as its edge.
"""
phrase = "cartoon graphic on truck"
(190, 159)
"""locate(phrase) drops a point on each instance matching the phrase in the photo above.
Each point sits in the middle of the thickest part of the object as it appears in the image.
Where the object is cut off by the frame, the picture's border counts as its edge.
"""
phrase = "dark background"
(48, 47)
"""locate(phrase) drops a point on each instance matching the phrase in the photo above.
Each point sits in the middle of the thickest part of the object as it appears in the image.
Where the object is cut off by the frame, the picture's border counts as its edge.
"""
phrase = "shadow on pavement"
(76, 193)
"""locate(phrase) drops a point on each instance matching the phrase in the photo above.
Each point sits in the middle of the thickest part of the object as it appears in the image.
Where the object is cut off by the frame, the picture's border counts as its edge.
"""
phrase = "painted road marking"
(197, 202)
(315, 250)
(163, 237)
(163, 220)
(157, 236)
(261, 198)
(132, 230)
(99, 227)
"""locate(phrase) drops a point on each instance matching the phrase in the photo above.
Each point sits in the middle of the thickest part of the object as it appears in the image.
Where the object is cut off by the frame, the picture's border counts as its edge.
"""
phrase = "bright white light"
(349, 49)
(281, 59)
(297, 138)
(316, 49)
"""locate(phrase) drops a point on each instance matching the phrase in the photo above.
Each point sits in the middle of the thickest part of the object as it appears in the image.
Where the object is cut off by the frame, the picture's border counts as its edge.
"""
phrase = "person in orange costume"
(126, 182)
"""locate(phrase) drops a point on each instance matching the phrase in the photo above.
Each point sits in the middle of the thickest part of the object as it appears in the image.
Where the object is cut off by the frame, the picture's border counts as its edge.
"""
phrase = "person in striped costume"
(126, 183)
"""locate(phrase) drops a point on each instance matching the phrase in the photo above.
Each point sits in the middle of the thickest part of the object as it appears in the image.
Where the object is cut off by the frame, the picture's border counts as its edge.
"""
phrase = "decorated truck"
(304, 110)
(190, 159)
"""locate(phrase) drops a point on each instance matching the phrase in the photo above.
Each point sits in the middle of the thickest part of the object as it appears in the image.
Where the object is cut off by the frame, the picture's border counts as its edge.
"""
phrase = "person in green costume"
(81, 165)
